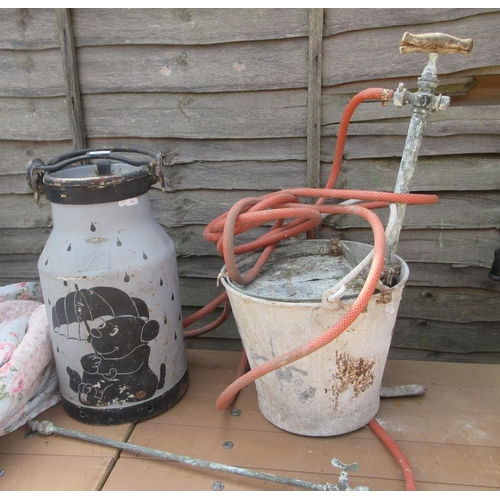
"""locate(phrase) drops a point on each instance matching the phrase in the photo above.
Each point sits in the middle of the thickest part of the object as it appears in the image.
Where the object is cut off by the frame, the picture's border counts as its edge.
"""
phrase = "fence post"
(314, 97)
(71, 81)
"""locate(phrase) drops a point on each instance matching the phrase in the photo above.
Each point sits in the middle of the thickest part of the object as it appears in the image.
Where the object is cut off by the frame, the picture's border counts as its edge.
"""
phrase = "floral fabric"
(28, 378)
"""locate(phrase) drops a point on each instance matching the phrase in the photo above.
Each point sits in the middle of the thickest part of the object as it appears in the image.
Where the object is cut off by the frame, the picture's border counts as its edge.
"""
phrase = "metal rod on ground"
(47, 428)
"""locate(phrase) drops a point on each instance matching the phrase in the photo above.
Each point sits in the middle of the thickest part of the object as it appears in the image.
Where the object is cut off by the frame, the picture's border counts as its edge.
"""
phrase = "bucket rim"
(346, 300)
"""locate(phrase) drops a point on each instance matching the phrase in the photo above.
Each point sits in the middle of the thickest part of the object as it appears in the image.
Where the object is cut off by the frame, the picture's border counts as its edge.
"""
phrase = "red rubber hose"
(390, 444)
(285, 205)
(347, 319)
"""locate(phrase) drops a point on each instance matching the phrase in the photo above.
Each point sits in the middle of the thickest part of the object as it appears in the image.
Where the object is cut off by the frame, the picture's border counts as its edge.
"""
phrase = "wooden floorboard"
(450, 435)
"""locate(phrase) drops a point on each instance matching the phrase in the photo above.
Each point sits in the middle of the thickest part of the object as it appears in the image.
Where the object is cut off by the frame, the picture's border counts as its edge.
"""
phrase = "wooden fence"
(248, 101)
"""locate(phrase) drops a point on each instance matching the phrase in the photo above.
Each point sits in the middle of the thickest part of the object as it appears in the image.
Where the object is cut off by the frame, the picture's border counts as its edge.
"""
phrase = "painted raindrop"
(161, 282)
(92, 227)
(118, 242)
(144, 256)
(69, 248)
(127, 278)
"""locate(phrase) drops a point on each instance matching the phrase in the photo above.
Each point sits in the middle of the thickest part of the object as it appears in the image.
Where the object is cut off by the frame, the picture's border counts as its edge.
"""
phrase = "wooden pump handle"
(438, 43)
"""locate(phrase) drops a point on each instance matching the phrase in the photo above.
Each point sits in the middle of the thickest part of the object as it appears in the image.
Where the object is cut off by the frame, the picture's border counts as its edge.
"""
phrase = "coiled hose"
(250, 213)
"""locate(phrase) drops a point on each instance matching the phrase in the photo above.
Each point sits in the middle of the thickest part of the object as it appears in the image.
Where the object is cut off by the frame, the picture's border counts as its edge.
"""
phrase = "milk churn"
(110, 285)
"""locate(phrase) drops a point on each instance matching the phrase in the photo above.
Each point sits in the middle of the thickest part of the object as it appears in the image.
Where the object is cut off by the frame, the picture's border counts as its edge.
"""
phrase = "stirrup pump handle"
(438, 43)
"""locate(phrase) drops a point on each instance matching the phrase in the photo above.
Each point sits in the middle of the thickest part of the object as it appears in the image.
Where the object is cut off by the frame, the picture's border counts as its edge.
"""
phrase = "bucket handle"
(331, 298)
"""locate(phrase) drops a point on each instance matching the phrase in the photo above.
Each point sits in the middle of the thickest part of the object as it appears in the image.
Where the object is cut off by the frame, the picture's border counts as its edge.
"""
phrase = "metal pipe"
(47, 428)
(405, 175)
(423, 102)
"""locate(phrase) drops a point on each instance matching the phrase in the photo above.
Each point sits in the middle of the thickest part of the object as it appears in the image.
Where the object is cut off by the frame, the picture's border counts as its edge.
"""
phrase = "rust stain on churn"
(351, 372)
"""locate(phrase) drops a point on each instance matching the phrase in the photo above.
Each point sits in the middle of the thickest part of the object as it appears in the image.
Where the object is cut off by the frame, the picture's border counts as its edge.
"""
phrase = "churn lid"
(93, 176)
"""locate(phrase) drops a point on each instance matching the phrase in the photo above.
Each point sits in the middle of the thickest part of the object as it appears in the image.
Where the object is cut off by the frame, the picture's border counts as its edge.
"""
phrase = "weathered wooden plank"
(280, 113)
(189, 240)
(34, 119)
(31, 73)
(15, 155)
(35, 28)
(28, 29)
(439, 173)
(179, 151)
(21, 211)
(157, 68)
(459, 247)
(14, 184)
(238, 115)
(23, 241)
(348, 19)
(23, 264)
(236, 175)
(461, 210)
(239, 175)
(234, 345)
(217, 68)
(485, 91)
(390, 146)
(387, 120)
(18, 268)
(193, 207)
(421, 274)
(186, 26)
(450, 85)
(334, 102)
(451, 275)
(351, 51)
(455, 305)
(446, 336)
(421, 355)
(199, 266)
(72, 84)
(476, 210)
(468, 247)
(443, 173)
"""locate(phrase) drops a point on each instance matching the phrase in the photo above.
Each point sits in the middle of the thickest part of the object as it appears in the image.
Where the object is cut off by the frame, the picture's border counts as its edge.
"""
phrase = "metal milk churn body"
(109, 279)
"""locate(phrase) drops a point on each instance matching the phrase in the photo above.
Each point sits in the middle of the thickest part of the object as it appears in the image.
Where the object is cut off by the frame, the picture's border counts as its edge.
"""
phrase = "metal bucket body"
(109, 279)
(336, 389)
